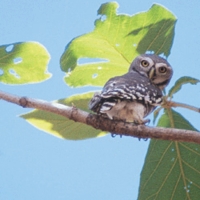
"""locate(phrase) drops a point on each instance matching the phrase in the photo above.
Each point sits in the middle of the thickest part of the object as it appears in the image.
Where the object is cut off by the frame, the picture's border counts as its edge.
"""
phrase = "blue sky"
(35, 165)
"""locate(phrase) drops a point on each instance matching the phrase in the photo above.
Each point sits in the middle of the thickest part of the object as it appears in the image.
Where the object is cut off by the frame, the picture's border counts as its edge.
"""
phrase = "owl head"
(157, 69)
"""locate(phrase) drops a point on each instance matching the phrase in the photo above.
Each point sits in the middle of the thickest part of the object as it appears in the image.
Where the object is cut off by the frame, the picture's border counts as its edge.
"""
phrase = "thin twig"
(182, 105)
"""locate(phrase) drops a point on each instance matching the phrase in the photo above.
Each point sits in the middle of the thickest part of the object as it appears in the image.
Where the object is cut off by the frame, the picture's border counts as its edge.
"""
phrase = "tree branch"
(99, 122)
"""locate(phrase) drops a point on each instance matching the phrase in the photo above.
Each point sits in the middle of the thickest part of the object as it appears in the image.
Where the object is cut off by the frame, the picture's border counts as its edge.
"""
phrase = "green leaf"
(171, 169)
(156, 113)
(117, 39)
(181, 81)
(62, 127)
(24, 62)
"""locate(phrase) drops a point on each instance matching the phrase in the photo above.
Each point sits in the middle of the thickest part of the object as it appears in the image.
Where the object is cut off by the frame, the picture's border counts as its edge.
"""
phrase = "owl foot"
(143, 122)
(146, 121)
(114, 135)
(145, 139)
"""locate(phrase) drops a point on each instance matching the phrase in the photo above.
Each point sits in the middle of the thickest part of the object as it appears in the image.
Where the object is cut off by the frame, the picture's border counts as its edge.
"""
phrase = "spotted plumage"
(134, 95)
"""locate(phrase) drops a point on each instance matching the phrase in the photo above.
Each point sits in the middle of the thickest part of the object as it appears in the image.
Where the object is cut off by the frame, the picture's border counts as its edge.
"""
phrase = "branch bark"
(99, 122)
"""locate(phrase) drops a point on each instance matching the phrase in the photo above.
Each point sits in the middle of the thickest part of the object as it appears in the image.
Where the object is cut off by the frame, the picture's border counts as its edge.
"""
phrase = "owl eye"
(162, 69)
(145, 63)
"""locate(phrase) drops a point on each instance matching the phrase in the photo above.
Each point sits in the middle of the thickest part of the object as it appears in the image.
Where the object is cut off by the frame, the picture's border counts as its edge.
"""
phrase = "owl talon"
(145, 139)
(114, 135)
(144, 122)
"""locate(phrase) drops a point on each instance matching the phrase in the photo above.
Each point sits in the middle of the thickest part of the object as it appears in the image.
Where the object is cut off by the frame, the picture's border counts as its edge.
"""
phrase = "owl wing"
(130, 87)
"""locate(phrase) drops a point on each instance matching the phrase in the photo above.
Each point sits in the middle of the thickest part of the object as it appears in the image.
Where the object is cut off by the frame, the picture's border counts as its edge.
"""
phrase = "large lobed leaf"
(171, 169)
(60, 126)
(117, 39)
(24, 62)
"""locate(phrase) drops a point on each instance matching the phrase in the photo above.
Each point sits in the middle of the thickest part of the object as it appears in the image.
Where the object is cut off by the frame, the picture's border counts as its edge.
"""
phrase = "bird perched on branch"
(134, 95)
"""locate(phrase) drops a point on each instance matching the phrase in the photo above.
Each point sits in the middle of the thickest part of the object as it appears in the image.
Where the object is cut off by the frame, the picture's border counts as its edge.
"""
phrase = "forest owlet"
(134, 95)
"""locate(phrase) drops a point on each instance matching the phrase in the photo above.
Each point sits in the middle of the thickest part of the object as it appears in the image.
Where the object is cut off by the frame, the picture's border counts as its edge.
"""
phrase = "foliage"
(115, 41)
(171, 168)
(183, 80)
(17, 66)
(60, 126)
(113, 49)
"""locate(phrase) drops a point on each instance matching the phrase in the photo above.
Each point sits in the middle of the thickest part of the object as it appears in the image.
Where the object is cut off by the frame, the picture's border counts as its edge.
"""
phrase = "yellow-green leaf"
(117, 39)
(24, 62)
(63, 127)
(171, 169)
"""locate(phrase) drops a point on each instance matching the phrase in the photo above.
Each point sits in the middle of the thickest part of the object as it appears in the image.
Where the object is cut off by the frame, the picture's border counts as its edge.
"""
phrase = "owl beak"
(151, 73)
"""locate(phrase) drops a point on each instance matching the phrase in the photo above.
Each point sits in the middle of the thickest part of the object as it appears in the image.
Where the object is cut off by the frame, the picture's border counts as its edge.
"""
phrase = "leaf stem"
(169, 104)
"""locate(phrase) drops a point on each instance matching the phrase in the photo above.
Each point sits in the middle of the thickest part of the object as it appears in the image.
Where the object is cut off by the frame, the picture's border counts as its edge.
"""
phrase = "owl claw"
(143, 122)
(145, 139)
(114, 134)
(147, 121)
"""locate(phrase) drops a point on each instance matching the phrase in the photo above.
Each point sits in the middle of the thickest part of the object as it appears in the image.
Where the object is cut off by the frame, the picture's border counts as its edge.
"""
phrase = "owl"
(134, 95)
